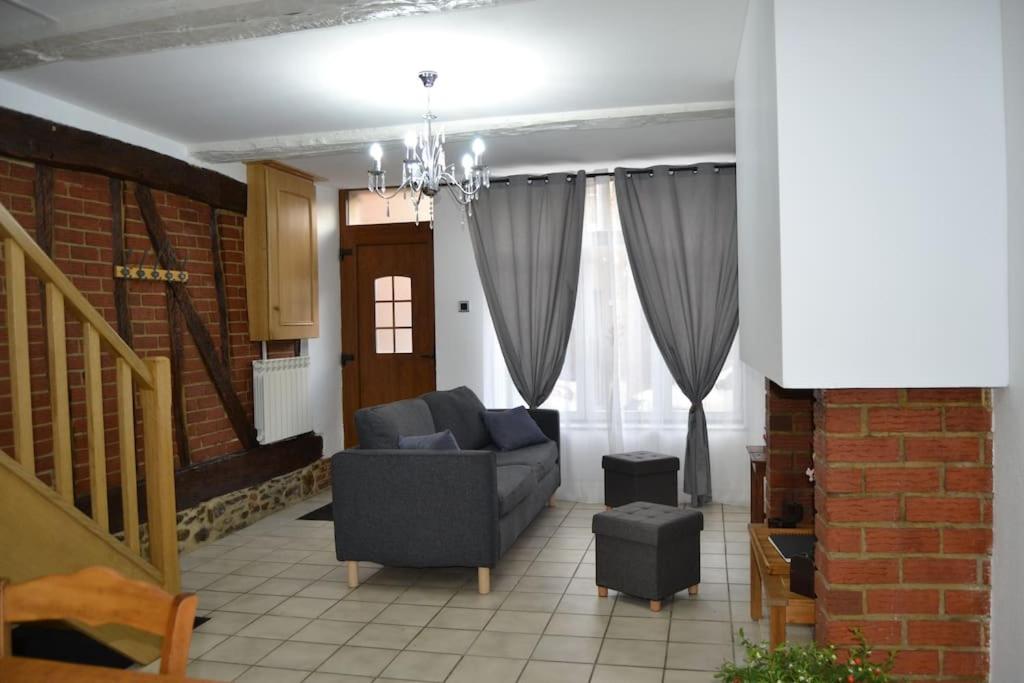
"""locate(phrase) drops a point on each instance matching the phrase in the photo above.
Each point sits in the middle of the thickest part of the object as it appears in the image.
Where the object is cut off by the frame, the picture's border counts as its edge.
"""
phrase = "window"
(392, 304)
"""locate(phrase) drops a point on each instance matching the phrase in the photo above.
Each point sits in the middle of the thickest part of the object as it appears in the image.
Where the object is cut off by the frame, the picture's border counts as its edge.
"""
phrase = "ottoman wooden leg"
(483, 580)
(551, 502)
(694, 589)
(655, 605)
(353, 574)
(602, 592)
(607, 508)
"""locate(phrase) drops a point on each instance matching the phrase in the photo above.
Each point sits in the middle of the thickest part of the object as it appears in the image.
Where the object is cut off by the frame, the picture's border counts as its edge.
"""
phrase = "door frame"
(351, 238)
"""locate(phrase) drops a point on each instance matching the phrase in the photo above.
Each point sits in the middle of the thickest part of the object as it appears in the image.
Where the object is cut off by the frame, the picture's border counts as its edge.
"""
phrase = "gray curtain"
(527, 234)
(680, 233)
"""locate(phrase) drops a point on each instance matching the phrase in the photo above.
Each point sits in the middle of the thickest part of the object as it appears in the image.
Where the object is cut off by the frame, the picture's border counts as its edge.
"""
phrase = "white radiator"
(281, 398)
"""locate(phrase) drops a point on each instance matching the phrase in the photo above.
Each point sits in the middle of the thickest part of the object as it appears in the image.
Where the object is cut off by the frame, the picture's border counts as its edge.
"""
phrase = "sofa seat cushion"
(459, 410)
(541, 457)
(381, 426)
(515, 483)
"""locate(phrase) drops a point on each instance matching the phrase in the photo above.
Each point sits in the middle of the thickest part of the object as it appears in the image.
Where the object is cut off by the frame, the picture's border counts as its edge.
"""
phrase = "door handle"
(347, 358)
(431, 356)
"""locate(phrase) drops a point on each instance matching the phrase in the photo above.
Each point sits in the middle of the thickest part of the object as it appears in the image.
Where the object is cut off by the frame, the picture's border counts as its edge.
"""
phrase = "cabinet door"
(291, 256)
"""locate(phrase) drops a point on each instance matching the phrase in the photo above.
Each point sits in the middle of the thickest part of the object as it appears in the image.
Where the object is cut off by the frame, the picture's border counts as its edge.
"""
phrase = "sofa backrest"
(380, 426)
(460, 411)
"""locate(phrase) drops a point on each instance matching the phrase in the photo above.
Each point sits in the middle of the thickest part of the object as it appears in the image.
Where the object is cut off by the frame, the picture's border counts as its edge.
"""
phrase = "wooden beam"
(219, 373)
(124, 318)
(177, 380)
(44, 208)
(109, 32)
(359, 139)
(45, 142)
(222, 292)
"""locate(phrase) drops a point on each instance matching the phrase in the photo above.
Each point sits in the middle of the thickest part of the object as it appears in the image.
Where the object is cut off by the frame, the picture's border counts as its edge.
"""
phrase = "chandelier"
(424, 170)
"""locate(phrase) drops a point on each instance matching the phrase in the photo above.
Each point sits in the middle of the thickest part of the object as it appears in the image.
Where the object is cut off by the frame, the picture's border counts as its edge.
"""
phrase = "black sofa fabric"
(438, 508)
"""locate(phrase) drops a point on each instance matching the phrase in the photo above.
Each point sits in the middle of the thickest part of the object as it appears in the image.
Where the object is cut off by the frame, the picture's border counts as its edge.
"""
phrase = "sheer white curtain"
(615, 393)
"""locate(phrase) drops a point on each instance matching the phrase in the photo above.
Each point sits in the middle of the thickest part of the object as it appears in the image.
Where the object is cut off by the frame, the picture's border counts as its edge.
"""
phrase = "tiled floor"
(280, 610)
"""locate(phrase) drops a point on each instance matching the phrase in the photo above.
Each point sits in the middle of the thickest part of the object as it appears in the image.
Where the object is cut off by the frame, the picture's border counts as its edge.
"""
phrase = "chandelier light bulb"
(467, 164)
(376, 153)
(410, 139)
(478, 147)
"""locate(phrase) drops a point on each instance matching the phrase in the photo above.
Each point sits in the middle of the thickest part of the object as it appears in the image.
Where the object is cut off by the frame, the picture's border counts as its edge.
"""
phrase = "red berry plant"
(807, 663)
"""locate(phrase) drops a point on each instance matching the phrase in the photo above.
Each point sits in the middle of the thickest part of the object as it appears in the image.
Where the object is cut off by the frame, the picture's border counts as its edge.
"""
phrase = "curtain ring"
(629, 175)
(695, 170)
(717, 169)
(671, 171)
(652, 174)
(547, 180)
(529, 181)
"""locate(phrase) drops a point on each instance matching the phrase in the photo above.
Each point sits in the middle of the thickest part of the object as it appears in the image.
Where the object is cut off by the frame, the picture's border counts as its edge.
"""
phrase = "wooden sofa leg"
(551, 502)
(483, 580)
(353, 574)
(655, 605)
(694, 589)
(602, 592)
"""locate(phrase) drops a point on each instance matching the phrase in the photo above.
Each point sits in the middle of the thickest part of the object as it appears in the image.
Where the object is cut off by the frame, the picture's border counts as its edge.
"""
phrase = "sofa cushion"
(439, 441)
(541, 458)
(512, 429)
(380, 426)
(515, 483)
(460, 411)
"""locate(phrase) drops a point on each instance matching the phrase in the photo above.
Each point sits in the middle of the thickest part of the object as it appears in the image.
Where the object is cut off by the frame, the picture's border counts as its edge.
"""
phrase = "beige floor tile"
(632, 653)
(271, 626)
(518, 622)
(213, 600)
(303, 607)
(406, 615)
(556, 569)
(321, 677)
(241, 650)
(699, 657)
(215, 671)
(231, 583)
(422, 666)
(253, 604)
(487, 669)
(586, 604)
(444, 640)
(384, 636)
(299, 655)
(226, 623)
(604, 673)
(263, 674)
(359, 661)
(705, 610)
(590, 625)
(567, 649)
(462, 618)
(471, 598)
(531, 602)
(638, 628)
(352, 610)
(628, 606)
(507, 645)
(555, 672)
(332, 590)
(203, 642)
(278, 586)
(689, 677)
(328, 632)
(542, 584)
(375, 593)
(304, 571)
(697, 631)
(426, 595)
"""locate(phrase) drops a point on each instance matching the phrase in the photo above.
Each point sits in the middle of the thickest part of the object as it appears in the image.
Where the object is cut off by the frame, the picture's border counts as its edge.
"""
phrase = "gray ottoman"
(640, 475)
(648, 550)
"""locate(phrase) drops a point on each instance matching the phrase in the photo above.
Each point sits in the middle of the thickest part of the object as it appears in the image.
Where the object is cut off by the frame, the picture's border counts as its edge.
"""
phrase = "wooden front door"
(387, 316)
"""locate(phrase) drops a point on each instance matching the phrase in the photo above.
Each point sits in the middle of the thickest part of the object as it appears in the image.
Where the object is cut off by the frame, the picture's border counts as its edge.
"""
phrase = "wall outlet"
(463, 307)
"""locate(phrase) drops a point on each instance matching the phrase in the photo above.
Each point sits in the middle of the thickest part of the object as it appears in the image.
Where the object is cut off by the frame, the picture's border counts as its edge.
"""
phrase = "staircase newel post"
(159, 459)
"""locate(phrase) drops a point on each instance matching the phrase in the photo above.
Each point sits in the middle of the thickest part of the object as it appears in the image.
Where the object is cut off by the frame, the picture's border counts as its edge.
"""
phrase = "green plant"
(807, 663)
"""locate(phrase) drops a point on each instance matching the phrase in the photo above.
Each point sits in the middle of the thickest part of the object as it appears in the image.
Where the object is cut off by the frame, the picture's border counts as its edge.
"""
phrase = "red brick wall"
(82, 248)
(789, 444)
(904, 525)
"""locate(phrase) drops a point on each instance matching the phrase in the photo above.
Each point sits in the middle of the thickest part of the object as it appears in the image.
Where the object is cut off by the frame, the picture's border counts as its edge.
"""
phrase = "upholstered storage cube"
(648, 550)
(640, 475)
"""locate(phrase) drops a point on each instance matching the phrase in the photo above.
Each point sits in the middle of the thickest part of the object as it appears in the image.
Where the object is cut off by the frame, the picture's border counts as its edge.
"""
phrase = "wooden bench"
(769, 572)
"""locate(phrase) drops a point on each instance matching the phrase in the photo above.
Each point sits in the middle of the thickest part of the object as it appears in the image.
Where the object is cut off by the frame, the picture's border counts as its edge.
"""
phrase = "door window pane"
(392, 314)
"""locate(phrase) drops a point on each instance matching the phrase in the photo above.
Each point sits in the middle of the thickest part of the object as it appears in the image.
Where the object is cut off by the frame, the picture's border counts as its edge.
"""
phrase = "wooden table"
(768, 569)
(27, 670)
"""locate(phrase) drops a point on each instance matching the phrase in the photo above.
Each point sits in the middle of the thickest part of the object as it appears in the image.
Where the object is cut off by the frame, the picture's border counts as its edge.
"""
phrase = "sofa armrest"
(416, 508)
(549, 422)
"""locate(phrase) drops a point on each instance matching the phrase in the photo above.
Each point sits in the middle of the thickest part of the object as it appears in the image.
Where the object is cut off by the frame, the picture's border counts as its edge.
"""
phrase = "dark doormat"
(324, 514)
(60, 643)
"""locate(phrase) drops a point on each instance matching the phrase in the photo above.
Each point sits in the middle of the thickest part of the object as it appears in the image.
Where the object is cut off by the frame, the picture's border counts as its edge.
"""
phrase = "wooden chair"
(97, 596)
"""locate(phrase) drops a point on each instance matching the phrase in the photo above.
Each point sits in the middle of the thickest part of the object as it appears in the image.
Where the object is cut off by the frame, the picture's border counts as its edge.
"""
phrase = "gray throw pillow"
(441, 441)
(512, 429)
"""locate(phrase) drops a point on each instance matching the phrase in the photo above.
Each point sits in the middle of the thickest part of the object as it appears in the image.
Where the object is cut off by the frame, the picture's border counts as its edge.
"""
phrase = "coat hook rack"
(151, 273)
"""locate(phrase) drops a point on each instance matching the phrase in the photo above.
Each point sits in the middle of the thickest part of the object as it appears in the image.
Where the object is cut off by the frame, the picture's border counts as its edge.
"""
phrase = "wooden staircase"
(41, 530)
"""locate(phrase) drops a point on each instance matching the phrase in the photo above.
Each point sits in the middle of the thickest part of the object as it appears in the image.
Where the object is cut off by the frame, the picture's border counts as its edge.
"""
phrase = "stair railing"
(152, 376)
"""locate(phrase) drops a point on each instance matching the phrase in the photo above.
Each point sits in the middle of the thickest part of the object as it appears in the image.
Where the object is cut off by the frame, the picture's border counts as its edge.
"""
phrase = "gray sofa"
(438, 508)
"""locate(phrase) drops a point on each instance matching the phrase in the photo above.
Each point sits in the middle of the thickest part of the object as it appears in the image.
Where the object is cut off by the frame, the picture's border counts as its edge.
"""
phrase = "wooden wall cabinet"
(281, 254)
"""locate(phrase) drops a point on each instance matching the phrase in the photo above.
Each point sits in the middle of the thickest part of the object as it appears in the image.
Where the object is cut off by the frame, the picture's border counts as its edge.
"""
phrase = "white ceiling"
(536, 56)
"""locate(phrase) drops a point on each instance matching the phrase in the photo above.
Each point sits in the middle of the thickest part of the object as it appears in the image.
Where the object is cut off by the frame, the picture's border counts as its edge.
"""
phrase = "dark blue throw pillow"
(512, 429)
(442, 441)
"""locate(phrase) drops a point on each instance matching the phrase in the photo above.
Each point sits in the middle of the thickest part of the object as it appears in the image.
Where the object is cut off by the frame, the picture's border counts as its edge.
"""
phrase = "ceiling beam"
(357, 139)
(159, 26)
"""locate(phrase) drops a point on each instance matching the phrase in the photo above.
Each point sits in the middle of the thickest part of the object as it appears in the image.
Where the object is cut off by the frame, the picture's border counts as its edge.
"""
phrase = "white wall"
(1008, 557)
(325, 351)
(20, 98)
(892, 193)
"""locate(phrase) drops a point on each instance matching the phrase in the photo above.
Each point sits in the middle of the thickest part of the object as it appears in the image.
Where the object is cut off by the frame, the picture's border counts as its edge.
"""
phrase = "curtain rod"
(611, 174)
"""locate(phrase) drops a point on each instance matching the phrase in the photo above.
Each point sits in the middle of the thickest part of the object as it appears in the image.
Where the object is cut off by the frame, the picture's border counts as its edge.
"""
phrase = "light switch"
(463, 307)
